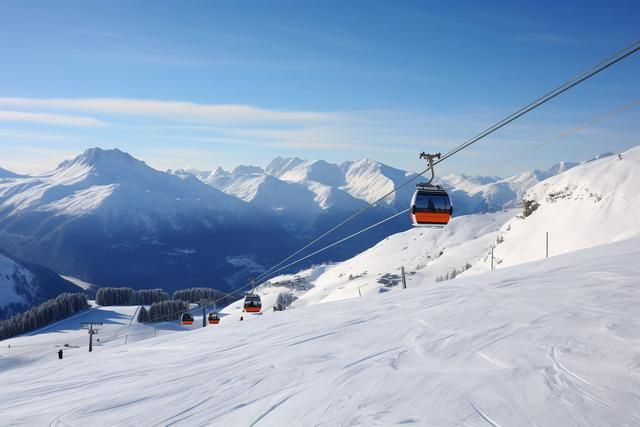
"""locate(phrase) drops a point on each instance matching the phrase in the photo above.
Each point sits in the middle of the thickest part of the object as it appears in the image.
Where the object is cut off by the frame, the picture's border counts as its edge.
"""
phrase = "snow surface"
(554, 342)
(118, 326)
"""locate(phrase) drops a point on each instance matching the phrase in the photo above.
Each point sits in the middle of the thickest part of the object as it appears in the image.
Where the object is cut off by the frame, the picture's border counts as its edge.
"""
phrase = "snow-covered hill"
(591, 204)
(24, 284)
(554, 342)
(428, 256)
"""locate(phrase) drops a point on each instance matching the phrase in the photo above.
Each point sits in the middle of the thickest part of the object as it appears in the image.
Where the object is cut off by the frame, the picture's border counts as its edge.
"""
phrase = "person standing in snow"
(241, 317)
(619, 156)
(60, 354)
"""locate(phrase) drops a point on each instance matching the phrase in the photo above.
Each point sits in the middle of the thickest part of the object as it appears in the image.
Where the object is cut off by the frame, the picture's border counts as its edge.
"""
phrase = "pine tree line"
(196, 295)
(128, 296)
(162, 311)
(44, 314)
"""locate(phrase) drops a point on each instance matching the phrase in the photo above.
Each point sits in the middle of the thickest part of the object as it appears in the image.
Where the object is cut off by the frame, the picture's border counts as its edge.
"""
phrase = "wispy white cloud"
(203, 134)
(19, 134)
(547, 38)
(174, 110)
(50, 119)
(33, 160)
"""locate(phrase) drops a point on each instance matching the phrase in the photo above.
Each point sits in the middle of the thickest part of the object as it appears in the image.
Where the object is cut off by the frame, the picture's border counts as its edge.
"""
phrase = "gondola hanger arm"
(429, 158)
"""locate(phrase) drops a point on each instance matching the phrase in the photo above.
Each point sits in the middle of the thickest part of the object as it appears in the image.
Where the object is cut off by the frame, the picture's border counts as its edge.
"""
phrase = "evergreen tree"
(64, 305)
(143, 315)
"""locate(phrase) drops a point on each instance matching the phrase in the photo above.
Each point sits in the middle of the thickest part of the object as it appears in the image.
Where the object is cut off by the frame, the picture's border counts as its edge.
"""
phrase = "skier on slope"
(60, 354)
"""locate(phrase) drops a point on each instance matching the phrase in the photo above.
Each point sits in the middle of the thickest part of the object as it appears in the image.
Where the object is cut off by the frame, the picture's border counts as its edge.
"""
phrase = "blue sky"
(207, 83)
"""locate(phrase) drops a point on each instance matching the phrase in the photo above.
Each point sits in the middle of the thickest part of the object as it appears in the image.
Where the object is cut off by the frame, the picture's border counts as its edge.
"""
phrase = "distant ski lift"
(214, 318)
(186, 319)
(252, 303)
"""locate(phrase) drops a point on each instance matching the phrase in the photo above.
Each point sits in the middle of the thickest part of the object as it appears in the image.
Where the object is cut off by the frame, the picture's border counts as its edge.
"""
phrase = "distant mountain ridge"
(353, 184)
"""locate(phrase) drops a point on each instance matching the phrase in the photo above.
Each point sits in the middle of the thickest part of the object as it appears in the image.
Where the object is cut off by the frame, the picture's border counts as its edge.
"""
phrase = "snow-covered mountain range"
(319, 185)
(110, 219)
(24, 284)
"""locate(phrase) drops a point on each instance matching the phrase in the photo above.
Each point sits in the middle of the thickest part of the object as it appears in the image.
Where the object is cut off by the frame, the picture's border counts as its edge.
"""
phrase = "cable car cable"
(341, 240)
(585, 125)
(596, 69)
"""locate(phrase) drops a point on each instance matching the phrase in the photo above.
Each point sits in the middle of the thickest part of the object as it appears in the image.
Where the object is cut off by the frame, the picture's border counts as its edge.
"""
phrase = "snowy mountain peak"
(369, 180)
(317, 171)
(104, 166)
(218, 171)
(561, 167)
(98, 157)
(279, 166)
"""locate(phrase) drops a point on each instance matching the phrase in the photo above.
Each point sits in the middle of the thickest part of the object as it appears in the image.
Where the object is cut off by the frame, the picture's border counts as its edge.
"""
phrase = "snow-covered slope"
(595, 203)
(554, 342)
(428, 255)
(24, 284)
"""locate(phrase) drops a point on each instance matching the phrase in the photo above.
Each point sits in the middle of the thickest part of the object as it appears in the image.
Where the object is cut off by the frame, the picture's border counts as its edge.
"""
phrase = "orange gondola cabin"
(214, 319)
(252, 303)
(186, 319)
(430, 206)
